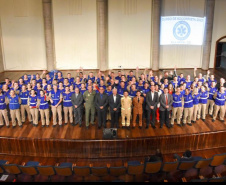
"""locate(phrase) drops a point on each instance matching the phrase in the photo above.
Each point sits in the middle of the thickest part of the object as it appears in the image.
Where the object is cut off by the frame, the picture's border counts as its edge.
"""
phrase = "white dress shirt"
(114, 97)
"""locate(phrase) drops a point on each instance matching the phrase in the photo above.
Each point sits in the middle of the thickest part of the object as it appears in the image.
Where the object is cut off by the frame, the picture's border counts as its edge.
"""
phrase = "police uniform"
(176, 108)
(195, 106)
(3, 111)
(68, 107)
(44, 110)
(202, 104)
(14, 106)
(126, 104)
(210, 100)
(188, 108)
(32, 102)
(56, 97)
(89, 106)
(219, 105)
(24, 106)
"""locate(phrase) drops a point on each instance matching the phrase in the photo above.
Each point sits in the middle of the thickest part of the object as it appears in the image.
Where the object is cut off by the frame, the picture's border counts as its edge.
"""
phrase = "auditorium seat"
(186, 165)
(1, 163)
(217, 179)
(117, 171)
(218, 159)
(203, 163)
(29, 168)
(46, 171)
(82, 171)
(135, 168)
(99, 171)
(12, 169)
(169, 167)
(196, 180)
(64, 169)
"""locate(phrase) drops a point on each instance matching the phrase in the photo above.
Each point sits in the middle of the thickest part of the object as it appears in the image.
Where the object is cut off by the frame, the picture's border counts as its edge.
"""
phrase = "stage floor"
(70, 132)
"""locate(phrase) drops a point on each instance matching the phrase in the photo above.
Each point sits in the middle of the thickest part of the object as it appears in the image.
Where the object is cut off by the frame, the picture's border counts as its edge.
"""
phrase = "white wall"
(23, 39)
(75, 33)
(219, 26)
(180, 55)
(129, 33)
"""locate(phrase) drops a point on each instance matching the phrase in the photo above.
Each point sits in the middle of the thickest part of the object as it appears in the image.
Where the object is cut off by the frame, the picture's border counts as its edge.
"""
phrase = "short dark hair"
(187, 153)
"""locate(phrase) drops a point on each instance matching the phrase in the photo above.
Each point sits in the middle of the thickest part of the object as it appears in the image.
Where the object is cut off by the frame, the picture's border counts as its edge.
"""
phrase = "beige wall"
(129, 35)
(75, 33)
(180, 55)
(219, 26)
(23, 43)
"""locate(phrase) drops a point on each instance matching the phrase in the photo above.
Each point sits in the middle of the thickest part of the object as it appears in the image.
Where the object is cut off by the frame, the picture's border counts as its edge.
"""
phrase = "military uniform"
(89, 106)
(126, 103)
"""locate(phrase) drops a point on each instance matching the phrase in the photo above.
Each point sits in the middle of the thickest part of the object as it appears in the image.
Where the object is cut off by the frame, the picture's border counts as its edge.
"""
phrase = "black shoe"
(171, 125)
(99, 127)
(14, 126)
(60, 126)
(197, 119)
(65, 123)
(123, 127)
(179, 125)
(183, 124)
(8, 126)
(189, 124)
(87, 127)
(73, 124)
(211, 115)
(140, 127)
(43, 126)
(203, 120)
(1, 126)
(47, 125)
(154, 127)
(21, 126)
(23, 122)
(213, 120)
(31, 122)
(222, 121)
(146, 127)
(133, 127)
(80, 125)
(54, 125)
(160, 126)
(168, 126)
(128, 128)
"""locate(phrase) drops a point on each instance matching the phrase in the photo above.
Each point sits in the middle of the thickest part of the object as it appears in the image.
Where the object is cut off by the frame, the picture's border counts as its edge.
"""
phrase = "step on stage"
(78, 142)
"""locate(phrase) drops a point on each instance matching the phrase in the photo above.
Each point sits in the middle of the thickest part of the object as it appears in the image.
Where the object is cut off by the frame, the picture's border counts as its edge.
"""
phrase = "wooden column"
(208, 33)
(49, 37)
(155, 34)
(1, 51)
(102, 34)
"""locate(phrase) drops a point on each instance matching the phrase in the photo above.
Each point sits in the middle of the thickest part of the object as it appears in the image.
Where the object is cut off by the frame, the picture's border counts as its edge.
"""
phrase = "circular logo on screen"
(181, 30)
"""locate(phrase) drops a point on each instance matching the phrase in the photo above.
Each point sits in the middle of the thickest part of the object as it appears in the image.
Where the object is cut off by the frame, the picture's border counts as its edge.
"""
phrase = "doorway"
(220, 53)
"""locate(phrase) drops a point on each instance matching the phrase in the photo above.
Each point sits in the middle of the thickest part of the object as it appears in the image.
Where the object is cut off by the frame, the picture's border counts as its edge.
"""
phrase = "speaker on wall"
(110, 133)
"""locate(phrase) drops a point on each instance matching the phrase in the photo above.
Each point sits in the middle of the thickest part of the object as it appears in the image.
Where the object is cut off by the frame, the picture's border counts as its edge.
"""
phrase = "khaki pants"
(44, 116)
(187, 115)
(15, 114)
(56, 111)
(34, 115)
(4, 113)
(176, 111)
(210, 103)
(22, 110)
(201, 111)
(70, 110)
(135, 118)
(126, 115)
(195, 112)
(222, 112)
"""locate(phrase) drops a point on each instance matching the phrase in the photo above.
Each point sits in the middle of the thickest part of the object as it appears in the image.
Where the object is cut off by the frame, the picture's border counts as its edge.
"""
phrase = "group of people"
(132, 96)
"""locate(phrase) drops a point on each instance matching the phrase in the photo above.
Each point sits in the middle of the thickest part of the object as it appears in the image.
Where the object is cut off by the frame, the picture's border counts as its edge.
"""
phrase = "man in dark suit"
(77, 101)
(151, 106)
(114, 101)
(101, 102)
(166, 101)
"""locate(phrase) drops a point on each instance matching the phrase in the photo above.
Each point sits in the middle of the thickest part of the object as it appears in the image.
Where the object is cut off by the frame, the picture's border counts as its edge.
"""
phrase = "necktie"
(166, 100)
(76, 96)
(101, 96)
